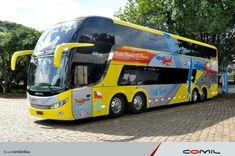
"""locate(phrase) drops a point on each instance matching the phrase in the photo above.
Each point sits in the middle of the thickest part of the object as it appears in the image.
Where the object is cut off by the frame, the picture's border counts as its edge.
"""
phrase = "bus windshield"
(58, 34)
(44, 77)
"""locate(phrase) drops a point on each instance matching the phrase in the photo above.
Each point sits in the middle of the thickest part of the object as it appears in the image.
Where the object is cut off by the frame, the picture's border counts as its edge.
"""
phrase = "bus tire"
(203, 95)
(194, 96)
(117, 106)
(138, 103)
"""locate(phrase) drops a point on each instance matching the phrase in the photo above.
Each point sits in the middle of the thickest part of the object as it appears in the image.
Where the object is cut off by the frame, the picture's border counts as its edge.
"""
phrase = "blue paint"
(172, 91)
(153, 93)
(173, 49)
(159, 58)
(157, 91)
(177, 61)
(226, 81)
(171, 43)
(199, 66)
(162, 90)
(190, 75)
(82, 107)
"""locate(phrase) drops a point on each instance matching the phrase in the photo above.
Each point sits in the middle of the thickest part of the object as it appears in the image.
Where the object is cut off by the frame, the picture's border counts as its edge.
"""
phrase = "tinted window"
(58, 34)
(155, 42)
(98, 32)
(105, 34)
(191, 49)
(138, 38)
(127, 36)
(133, 75)
(86, 74)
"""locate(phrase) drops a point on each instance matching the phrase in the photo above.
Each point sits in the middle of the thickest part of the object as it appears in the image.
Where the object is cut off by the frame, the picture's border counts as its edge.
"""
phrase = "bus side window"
(100, 33)
(128, 76)
(155, 42)
(80, 76)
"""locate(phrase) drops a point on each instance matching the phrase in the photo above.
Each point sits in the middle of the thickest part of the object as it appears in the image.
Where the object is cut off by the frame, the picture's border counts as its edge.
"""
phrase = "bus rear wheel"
(203, 95)
(195, 96)
(117, 106)
(138, 103)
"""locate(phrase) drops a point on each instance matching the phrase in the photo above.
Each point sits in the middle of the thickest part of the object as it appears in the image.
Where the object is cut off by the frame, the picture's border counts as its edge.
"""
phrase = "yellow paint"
(54, 113)
(204, 86)
(198, 75)
(213, 89)
(144, 50)
(18, 54)
(128, 63)
(109, 92)
(109, 88)
(60, 49)
(127, 24)
(181, 95)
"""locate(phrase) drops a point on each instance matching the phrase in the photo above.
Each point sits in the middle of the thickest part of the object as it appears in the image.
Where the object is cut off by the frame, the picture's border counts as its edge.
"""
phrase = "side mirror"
(18, 54)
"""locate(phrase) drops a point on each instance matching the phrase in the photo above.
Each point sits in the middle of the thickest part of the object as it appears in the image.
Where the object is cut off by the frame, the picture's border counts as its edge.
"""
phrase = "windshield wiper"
(47, 85)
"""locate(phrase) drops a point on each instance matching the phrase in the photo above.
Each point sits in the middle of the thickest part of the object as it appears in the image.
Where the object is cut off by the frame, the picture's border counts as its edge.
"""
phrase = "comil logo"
(200, 151)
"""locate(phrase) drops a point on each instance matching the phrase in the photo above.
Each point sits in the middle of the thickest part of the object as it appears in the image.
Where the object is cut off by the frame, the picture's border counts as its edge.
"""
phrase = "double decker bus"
(94, 66)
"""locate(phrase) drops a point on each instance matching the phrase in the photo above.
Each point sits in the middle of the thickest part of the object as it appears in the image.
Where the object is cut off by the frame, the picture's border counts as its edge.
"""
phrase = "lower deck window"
(139, 75)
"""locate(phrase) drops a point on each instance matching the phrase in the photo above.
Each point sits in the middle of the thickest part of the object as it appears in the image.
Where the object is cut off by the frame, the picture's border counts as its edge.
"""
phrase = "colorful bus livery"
(95, 66)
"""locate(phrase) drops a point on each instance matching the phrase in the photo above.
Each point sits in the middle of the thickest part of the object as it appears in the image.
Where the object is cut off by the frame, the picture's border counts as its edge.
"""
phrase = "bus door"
(81, 94)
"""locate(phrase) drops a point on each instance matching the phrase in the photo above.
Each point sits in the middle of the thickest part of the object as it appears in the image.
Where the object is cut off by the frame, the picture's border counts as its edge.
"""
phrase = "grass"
(16, 92)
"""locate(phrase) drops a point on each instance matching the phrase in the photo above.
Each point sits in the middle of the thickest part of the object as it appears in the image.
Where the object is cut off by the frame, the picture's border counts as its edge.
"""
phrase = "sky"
(41, 14)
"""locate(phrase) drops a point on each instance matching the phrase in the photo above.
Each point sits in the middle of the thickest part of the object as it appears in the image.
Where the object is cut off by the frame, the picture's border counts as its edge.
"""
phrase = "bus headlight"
(59, 103)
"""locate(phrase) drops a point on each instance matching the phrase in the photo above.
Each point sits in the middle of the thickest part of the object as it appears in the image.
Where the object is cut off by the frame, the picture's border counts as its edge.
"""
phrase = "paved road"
(213, 120)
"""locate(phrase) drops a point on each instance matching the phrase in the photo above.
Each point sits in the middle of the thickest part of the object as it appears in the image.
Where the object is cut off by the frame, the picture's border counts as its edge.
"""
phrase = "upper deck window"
(58, 34)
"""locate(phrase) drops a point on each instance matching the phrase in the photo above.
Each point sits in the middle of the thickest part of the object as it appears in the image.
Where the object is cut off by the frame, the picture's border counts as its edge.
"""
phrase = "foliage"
(14, 37)
(210, 21)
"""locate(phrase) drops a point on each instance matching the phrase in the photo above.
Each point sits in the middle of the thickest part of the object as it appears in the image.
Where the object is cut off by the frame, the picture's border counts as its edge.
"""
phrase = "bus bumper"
(62, 113)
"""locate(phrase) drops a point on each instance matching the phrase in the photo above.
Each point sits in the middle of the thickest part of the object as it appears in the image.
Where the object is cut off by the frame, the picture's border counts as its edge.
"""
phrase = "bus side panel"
(161, 94)
(213, 90)
(102, 97)
(103, 92)
(181, 95)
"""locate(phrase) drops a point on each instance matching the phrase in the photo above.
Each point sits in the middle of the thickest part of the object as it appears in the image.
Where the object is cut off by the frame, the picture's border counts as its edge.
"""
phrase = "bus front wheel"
(138, 103)
(117, 106)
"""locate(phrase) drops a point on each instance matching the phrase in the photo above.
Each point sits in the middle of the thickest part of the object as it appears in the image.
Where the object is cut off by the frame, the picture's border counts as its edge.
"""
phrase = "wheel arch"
(204, 87)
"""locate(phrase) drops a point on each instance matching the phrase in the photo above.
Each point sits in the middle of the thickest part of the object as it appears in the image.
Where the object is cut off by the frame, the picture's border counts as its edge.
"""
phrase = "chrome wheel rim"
(116, 105)
(194, 97)
(138, 102)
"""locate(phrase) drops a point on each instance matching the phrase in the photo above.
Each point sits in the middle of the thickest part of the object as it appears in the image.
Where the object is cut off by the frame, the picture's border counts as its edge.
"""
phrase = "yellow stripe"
(127, 24)
(143, 50)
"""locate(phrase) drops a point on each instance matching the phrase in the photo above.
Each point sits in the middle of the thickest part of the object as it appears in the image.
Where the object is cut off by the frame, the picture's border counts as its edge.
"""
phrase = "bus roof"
(161, 33)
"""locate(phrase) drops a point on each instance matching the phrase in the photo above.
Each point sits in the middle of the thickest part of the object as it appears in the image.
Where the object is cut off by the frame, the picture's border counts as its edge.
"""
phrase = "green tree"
(14, 37)
(210, 21)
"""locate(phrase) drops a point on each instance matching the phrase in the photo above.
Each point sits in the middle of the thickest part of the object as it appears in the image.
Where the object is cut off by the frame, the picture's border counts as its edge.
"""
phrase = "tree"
(14, 37)
(210, 21)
